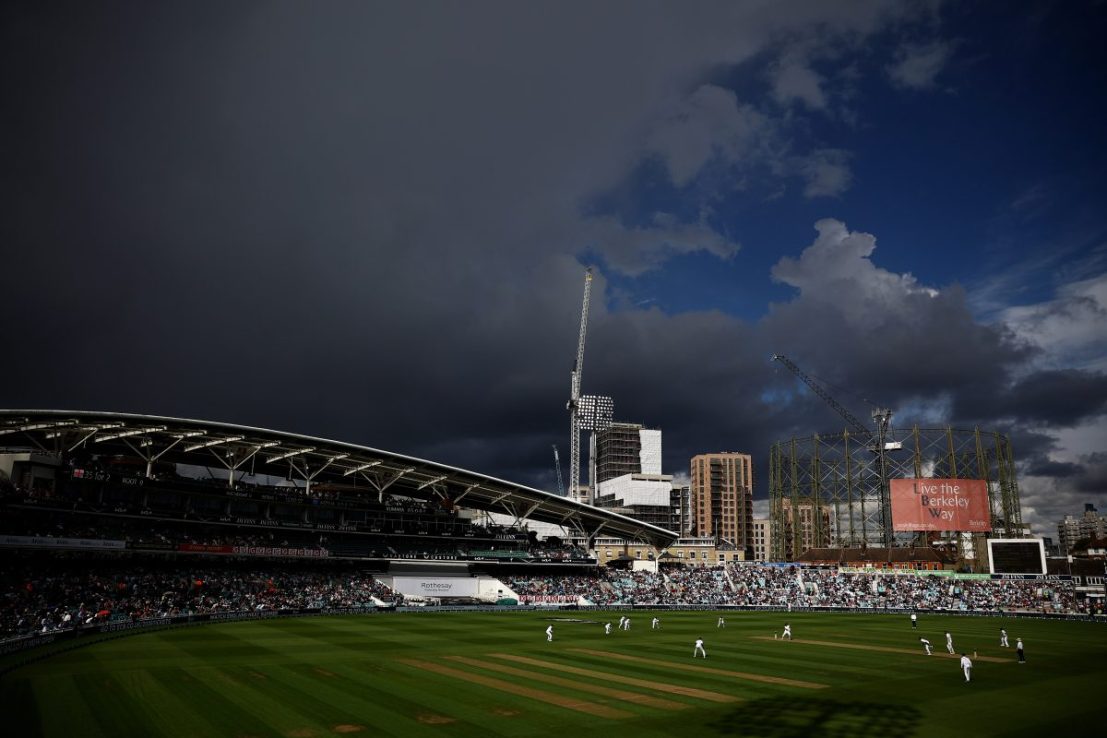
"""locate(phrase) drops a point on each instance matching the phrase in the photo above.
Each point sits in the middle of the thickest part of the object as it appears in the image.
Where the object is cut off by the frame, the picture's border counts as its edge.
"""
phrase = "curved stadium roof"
(245, 450)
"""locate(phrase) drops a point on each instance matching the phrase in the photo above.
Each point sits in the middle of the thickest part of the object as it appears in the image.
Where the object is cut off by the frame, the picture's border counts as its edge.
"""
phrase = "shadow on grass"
(781, 717)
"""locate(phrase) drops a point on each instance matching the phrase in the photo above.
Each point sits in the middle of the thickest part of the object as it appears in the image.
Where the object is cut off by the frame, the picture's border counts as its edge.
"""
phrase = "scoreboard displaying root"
(1016, 556)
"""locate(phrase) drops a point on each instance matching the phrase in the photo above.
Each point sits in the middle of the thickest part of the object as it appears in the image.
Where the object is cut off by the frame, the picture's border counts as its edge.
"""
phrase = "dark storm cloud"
(1093, 480)
(363, 221)
(353, 219)
(1046, 468)
(1049, 397)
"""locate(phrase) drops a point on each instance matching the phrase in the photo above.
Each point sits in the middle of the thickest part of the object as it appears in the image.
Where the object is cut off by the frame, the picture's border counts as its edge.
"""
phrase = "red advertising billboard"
(940, 504)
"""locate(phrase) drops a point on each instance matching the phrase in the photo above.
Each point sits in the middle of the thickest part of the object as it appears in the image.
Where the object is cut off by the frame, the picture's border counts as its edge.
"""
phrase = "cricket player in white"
(721, 624)
(787, 632)
(626, 623)
(966, 666)
(698, 651)
(926, 645)
(655, 624)
(607, 628)
(549, 632)
(949, 643)
(1003, 638)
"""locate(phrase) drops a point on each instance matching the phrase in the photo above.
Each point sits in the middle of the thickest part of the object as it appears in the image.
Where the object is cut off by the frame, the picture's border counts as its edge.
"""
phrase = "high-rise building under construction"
(628, 470)
(627, 448)
(722, 498)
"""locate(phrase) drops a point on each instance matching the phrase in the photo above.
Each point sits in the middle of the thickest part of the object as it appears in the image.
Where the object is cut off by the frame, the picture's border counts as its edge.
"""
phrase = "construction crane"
(557, 466)
(573, 406)
(856, 424)
(876, 441)
(587, 412)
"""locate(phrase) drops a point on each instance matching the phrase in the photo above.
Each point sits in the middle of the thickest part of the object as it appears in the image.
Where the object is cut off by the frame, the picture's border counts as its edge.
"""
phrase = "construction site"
(849, 490)
(834, 490)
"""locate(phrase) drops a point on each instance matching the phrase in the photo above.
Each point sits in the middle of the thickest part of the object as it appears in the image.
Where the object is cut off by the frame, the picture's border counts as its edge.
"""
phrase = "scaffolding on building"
(831, 490)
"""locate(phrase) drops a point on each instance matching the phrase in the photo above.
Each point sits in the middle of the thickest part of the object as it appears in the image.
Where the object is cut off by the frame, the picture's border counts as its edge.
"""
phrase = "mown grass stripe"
(701, 694)
(396, 716)
(79, 710)
(634, 697)
(114, 710)
(19, 703)
(164, 705)
(232, 708)
(415, 694)
(784, 681)
(887, 649)
(297, 694)
(552, 698)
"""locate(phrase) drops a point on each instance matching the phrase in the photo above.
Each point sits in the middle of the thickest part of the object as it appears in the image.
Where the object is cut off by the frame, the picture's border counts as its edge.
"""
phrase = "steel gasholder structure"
(832, 489)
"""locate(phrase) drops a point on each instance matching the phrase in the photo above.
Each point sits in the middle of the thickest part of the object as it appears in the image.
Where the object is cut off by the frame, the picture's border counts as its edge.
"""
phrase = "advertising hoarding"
(940, 505)
(435, 586)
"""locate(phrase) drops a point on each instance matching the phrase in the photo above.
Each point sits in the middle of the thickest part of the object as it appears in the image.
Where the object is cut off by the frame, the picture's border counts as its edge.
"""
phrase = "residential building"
(722, 498)
(1072, 529)
(803, 525)
(761, 539)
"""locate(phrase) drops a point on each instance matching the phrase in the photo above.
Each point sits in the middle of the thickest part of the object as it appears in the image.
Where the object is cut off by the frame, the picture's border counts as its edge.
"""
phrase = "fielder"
(626, 623)
(698, 651)
(1003, 638)
(966, 666)
(949, 643)
(549, 632)
(655, 624)
(787, 632)
(926, 645)
(721, 623)
(607, 628)
(621, 619)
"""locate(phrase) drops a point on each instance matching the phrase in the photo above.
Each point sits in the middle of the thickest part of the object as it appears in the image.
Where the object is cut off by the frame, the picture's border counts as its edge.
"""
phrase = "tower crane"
(573, 406)
(587, 412)
(876, 441)
(882, 416)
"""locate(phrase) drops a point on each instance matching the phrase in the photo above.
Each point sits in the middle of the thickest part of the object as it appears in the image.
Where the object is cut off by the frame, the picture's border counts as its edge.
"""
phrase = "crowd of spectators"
(773, 586)
(57, 599)
(73, 593)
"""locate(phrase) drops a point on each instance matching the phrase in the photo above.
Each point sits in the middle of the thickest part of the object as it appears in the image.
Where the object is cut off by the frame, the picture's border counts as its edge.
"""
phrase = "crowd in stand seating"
(56, 599)
(770, 586)
(57, 596)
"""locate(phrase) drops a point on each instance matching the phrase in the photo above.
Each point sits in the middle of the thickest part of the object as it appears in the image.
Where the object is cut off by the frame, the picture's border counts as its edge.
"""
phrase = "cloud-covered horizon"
(370, 222)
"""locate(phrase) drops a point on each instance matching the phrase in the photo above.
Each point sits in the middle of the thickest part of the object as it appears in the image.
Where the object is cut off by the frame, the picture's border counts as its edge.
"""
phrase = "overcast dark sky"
(370, 221)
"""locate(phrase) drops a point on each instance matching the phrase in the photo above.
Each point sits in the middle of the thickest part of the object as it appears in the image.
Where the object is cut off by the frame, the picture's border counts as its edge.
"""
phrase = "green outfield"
(494, 674)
